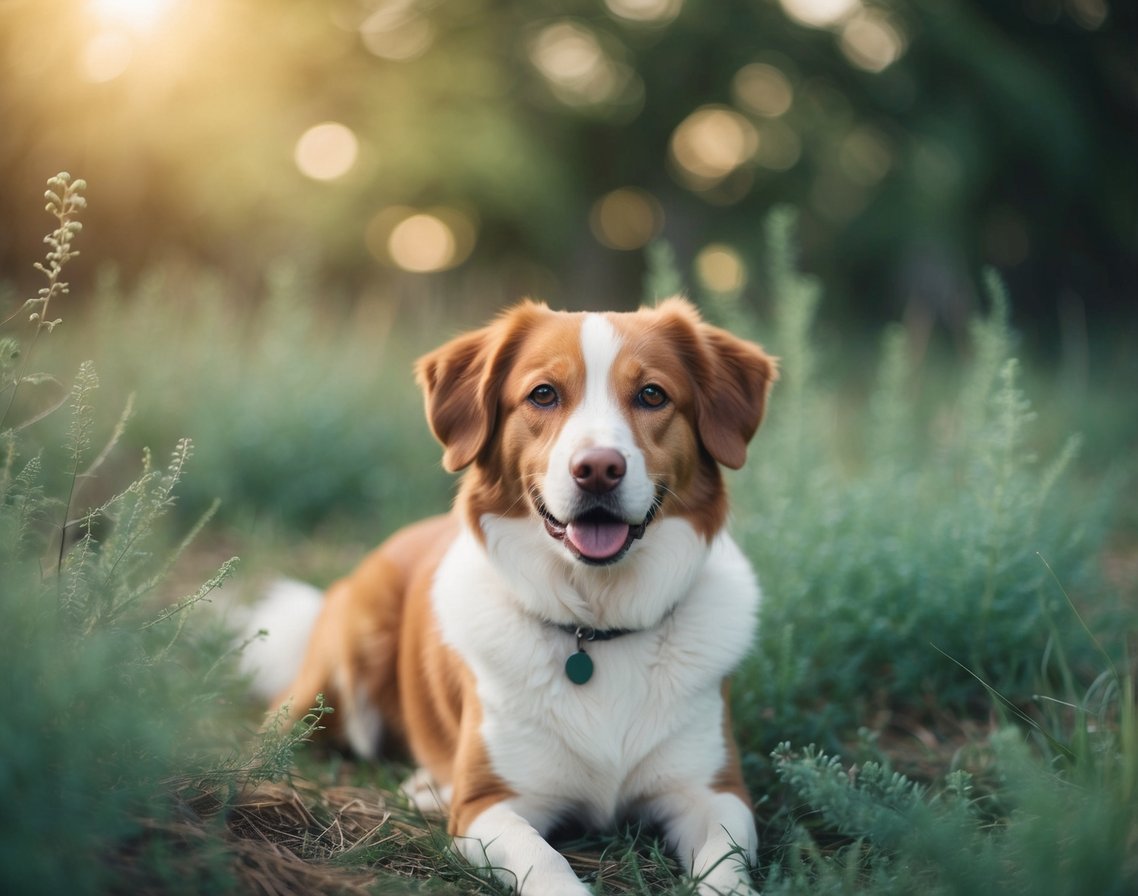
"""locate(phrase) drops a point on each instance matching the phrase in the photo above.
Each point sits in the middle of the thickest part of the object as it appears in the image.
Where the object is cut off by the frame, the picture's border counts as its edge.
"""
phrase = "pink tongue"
(597, 540)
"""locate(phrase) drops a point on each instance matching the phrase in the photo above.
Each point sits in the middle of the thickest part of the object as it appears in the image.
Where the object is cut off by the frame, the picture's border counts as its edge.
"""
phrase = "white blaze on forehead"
(600, 345)
(598, 421)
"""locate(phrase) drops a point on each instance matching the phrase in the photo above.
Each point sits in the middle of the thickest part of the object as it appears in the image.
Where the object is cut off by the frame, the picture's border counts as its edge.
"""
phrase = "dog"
(557, 648)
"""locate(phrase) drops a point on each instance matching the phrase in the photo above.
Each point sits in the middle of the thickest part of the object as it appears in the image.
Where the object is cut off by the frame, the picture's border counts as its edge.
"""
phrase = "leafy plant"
(302, 414)
(901, 558)
(1058, 824)
(111, 695)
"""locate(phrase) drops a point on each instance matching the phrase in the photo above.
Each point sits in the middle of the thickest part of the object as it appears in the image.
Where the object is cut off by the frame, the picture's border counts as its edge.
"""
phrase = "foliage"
(110, 695)
(914, 554)
(990, 131)
(64, 201)
(1061, 824)
(302, 413)
(904, 558)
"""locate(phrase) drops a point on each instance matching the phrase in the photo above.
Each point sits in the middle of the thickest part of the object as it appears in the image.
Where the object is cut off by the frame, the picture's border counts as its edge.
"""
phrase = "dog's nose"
(598, 470)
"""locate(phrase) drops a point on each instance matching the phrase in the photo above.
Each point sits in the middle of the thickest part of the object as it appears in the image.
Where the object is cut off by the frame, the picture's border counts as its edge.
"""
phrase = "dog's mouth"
(597, 536)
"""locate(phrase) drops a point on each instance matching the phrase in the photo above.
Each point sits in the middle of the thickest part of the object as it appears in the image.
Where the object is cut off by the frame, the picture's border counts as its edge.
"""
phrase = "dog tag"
(579, 667)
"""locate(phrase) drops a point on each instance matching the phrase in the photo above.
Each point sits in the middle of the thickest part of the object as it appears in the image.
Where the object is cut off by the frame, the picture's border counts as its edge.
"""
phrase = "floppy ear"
(731, 393)
(461, 383)
(731, 377)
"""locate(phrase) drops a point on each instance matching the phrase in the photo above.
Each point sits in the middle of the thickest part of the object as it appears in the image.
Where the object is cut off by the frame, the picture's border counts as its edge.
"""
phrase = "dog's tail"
(276, 631)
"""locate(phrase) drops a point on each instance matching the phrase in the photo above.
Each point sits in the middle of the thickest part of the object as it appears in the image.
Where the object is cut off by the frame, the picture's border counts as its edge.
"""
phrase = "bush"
(115, 704)
(1063, 826)
(910, 556)
(301, 414)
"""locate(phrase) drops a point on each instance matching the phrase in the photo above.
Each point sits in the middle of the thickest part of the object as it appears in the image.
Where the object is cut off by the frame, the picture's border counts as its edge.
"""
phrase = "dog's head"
(595, 425)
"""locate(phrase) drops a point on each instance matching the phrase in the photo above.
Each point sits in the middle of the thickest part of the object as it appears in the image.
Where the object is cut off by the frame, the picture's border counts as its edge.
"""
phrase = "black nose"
(598, 470)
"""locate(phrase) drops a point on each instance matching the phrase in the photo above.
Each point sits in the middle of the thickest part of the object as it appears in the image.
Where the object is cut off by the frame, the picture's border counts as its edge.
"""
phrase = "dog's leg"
(494, 828)
(713, 834)
(502, 840)
(350, 659)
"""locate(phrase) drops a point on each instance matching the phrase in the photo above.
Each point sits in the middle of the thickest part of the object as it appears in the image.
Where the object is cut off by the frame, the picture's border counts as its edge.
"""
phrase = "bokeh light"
(626, 219)
(575, 64)
(710, 144)
(719, 268)
(780, 147)
(819, 13)
(865, 155)
(397, 30)
(421, 240)
(1089, 14)
(326, 151)
(349, 108)
(421, 243)
(763, 89)
(871, 41)
(647, 12)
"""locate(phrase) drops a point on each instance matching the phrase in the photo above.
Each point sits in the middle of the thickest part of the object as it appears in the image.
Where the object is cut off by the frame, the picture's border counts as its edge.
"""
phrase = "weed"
(107, 700)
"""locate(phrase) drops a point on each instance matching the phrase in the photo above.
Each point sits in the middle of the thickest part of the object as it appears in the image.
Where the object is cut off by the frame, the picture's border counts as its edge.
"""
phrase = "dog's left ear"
(731, 378)
(462, 381)
(731, 394)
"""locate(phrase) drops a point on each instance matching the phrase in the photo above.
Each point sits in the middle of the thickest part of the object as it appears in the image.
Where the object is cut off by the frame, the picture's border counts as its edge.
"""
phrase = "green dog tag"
(579, 667)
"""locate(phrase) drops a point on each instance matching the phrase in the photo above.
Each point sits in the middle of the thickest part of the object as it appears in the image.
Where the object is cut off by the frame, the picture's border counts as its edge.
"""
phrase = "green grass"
(940, 699)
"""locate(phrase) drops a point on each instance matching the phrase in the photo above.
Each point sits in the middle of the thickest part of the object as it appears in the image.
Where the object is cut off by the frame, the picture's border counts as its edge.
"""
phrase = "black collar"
(587, 633)
(579, 666)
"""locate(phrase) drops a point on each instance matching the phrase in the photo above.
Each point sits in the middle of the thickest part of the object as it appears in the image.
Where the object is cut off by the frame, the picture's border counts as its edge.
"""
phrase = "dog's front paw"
(567, 889)
(424, 793)
(726, 881)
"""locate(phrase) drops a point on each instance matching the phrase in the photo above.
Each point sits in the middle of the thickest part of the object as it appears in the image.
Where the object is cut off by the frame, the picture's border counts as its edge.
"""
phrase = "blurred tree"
(534, 145)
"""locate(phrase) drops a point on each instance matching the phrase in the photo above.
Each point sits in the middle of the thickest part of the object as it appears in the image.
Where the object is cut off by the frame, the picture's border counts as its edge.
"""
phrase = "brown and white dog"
(558, 647)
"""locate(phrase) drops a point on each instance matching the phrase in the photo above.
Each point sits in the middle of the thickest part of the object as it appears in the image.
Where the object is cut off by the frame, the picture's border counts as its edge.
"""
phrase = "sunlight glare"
(105, 56)
(138, 15)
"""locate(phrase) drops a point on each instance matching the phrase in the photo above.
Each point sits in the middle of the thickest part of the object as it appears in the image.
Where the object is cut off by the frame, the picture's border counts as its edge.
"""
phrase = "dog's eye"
(544, 396)
(651, 397)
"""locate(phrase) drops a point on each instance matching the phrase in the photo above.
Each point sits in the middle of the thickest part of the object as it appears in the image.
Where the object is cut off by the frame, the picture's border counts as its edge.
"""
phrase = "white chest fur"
(650, 717)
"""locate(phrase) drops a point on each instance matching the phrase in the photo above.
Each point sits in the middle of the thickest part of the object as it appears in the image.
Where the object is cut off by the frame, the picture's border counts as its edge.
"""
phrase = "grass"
(940, 700)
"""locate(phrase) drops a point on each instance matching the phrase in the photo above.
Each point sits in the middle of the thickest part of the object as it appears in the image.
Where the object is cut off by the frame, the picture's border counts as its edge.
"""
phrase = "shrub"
(902, 560)
(302, 413)
(1060, 821)
(113, 702)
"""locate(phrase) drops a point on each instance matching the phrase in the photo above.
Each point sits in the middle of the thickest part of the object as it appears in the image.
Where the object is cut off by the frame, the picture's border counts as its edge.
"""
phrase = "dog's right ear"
(462, 382)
